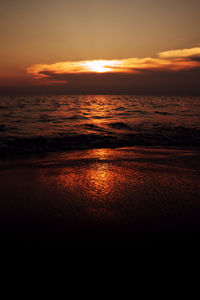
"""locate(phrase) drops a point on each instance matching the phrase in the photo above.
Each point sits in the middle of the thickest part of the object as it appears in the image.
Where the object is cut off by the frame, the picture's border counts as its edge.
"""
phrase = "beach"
(124, 197)
(99, 125)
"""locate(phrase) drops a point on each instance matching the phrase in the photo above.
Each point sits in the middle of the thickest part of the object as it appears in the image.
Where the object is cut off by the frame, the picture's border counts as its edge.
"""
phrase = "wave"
(49, 123)
(179, 136)
(120, 125)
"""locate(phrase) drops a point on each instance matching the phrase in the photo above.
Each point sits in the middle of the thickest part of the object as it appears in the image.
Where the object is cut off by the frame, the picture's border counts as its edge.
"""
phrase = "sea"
(42, 124)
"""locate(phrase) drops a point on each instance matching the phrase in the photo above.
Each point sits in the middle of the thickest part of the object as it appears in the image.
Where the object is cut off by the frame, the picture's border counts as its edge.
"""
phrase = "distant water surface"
(52, 123)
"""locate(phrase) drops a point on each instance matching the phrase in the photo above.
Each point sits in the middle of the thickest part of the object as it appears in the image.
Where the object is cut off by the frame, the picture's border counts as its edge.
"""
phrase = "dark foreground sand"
(128, 197)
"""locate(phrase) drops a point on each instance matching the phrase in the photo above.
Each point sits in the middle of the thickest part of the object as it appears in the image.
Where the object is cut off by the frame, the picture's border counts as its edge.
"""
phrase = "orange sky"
(54, 39)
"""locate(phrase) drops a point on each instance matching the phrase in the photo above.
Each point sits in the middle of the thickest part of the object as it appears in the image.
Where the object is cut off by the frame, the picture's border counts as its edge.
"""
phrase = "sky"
(107, 46)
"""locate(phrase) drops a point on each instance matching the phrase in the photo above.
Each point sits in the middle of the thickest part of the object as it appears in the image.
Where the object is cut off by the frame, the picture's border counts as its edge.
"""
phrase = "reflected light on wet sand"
(102, 195)
(98, 180)
(120, 186)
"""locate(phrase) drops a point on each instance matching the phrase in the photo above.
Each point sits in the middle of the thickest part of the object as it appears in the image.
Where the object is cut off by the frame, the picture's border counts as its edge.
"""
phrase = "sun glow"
(175, 60)
(99, 66)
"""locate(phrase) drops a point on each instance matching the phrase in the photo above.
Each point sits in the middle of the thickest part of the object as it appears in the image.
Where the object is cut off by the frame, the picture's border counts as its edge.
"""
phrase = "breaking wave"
(45, 124)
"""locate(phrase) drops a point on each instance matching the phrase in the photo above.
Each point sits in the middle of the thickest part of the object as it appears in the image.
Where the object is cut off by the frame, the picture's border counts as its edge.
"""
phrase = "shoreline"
(49, 153)
(123, 197)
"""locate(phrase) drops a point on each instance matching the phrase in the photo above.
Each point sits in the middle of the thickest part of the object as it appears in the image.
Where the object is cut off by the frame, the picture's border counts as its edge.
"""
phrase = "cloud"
(173, 60)
(171, 71)
(180, 53)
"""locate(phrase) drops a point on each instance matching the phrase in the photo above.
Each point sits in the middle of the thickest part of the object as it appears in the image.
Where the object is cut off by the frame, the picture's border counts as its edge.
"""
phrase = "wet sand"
(128, 197)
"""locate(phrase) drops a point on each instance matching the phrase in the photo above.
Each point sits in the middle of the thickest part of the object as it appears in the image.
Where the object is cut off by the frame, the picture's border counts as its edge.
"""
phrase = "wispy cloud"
(180, 53)
(173, 60)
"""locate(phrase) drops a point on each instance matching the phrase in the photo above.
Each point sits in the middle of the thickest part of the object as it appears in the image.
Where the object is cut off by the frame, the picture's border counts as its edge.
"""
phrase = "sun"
(99, 66)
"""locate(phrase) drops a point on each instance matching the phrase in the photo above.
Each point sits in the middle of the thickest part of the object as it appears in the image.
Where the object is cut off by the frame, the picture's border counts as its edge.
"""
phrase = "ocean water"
(57, 123)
